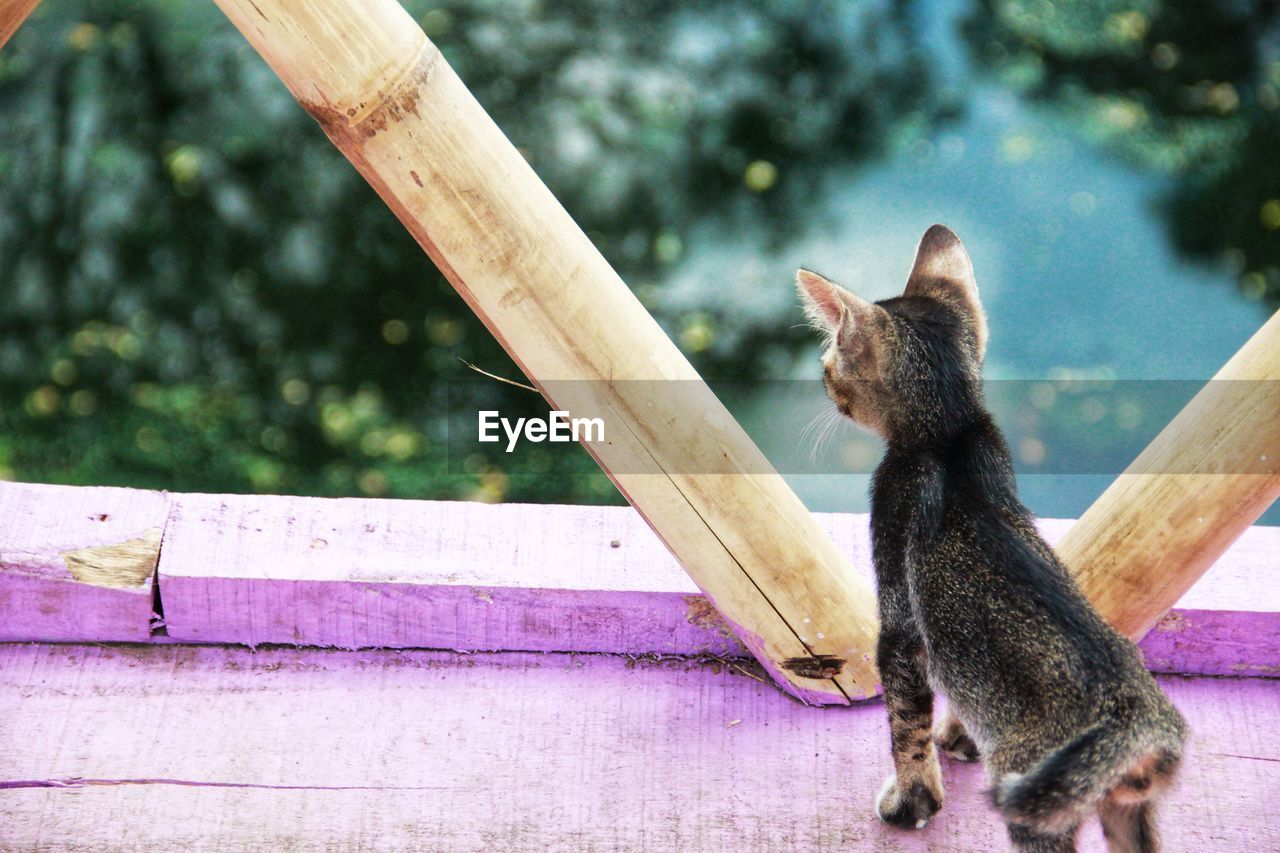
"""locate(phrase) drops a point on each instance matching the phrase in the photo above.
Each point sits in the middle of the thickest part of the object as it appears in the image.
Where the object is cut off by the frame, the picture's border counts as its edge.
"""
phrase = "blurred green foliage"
(199, 293)
(1189, 88)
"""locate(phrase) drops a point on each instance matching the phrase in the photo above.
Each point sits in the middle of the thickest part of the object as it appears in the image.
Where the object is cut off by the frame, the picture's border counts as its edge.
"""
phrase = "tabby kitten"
(972, 601)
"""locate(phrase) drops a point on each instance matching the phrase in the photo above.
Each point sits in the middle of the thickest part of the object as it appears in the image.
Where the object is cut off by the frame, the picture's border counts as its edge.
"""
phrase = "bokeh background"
(198, 293)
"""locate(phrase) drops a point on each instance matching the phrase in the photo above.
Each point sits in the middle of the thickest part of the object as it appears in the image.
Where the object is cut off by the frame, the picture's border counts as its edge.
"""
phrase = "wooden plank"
(373, 573)
(1203, 480)
(206, 748)
(78, 563)
(367, 573)
(387, 98)
(12, 15)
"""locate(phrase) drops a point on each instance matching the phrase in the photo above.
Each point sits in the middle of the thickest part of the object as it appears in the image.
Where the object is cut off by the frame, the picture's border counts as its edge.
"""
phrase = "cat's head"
(907, 367)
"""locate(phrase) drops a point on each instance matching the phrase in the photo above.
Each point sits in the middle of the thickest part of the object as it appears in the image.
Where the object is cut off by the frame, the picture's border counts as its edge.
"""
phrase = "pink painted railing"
(86, 564)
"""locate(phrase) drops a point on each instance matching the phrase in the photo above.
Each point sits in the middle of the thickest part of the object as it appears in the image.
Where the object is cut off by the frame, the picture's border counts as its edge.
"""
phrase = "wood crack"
(738, 563)
(1246, 757)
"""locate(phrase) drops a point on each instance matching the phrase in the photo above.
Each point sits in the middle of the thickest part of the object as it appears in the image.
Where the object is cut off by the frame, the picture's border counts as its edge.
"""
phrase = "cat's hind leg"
(951, 738)
(913, 794)
(1129, 828)
(1027, 840)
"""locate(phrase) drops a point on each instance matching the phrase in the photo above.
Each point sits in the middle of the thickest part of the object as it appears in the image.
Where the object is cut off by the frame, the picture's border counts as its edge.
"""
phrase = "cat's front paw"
(952, 739)
(907, 806)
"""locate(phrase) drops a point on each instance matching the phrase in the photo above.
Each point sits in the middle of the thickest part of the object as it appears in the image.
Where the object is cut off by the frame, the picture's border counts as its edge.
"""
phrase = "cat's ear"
(831, 309)
(943, 271)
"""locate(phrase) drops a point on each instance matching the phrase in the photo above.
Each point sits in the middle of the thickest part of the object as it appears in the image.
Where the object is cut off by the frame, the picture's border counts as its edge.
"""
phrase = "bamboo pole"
(12, 14)
(387, 99)
(1200, 484)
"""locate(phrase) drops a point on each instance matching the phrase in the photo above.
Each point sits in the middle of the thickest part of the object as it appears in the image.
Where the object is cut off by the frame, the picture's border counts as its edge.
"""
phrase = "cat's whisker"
(819, 422)
(812, 425)
(842, 429)
(817, 427)
(830, 421)
(832, 430)
(817, 434)
(816, 450)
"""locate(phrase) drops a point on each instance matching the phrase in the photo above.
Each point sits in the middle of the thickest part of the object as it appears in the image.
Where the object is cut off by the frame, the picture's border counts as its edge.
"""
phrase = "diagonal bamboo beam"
(1200, 484)
(12, 14)
(386, 97)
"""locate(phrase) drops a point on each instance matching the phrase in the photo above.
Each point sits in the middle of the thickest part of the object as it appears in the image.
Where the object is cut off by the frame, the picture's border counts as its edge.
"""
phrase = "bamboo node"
(367, 119)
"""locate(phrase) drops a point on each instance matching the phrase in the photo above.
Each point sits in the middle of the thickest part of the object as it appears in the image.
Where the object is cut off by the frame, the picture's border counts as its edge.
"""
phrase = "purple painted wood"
(77, 563)
(209, 748)
(364, 573)
(403, 574)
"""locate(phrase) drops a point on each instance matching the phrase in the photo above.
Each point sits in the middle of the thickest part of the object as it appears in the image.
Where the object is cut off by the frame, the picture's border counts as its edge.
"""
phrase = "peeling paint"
(1255, 668)
(700, 612)
(122, 566)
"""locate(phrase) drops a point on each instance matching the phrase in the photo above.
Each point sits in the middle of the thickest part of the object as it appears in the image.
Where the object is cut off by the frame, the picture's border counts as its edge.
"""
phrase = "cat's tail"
(1127, 762)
